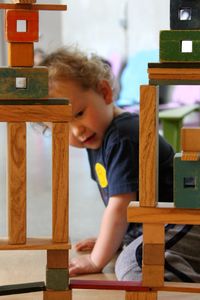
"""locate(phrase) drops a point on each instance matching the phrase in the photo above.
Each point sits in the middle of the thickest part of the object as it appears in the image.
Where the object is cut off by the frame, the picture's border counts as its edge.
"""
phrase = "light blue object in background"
(135, 74)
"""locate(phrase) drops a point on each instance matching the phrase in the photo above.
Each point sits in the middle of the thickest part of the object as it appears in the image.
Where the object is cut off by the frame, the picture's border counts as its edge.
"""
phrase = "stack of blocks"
(24, 98)
(179, 64)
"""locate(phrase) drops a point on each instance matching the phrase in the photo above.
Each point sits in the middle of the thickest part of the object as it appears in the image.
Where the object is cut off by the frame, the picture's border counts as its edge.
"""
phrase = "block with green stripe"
(186, 183)
(185, 14)
(180, 46)
(23, 82)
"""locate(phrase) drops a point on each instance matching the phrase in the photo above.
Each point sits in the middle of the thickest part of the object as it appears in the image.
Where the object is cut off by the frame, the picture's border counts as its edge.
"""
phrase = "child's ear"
(106, 91)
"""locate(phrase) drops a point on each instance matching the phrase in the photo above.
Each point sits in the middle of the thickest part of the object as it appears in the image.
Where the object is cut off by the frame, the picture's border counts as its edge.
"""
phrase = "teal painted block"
(180, 46)
(57, 279)
(186, 183)
(23, 83)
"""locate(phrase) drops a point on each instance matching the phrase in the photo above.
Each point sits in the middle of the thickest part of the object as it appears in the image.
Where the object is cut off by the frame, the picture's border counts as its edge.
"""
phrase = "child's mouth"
(89, 139)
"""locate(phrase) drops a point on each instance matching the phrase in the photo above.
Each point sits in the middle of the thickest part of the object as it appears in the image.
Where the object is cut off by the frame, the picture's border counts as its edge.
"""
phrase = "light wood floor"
(29, 266)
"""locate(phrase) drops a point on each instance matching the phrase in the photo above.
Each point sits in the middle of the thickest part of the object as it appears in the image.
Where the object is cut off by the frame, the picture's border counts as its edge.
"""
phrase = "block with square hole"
(57, 279)
(186, 183)
(184, 14)
(20, 54)
(180, 46)
(23, 82)
(21, 25)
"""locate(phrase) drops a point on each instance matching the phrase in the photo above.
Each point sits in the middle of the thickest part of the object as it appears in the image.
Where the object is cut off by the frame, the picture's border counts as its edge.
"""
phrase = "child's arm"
(113, 227)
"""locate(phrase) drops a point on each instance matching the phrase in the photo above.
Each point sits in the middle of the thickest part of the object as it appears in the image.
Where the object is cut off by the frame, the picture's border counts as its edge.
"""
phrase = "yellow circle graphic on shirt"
(101, 174)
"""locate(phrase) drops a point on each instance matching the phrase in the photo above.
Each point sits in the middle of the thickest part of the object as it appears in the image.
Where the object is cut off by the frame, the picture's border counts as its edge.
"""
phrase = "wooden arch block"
(22, 25)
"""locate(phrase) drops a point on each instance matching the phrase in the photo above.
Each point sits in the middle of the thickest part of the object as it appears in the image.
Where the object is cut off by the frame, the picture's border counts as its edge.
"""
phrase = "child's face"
(92, 112)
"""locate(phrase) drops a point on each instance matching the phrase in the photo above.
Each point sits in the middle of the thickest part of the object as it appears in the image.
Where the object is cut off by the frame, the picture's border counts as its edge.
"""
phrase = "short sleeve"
(121, 161)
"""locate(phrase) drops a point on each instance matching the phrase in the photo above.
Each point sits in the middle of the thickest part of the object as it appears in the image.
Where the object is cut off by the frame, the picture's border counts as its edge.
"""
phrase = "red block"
(22, 25)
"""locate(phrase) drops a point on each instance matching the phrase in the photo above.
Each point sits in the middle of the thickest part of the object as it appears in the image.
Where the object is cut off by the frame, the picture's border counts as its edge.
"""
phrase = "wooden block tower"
(179, 64)
(24, 98)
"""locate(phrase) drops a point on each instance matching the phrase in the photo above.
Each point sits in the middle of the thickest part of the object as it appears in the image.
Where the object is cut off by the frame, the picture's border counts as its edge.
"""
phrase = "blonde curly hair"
(69, 63)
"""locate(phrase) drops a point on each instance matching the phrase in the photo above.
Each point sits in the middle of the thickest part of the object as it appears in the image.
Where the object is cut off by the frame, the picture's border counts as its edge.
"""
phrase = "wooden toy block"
(22, 26)
(190, 155)
(180, 45)
(19, 82)
(152, 275)
(57, 259)
(190, 139)
(34, 244)
(153, 254)
(57, 295)
(186, 183)
(24, 1)
(107, 285)
(22, 288)
(184, 14)
(153, 233)
(20, 54)
(163, 215)
(34, 110)
(33, 6)
(16, 134)
(148, 146)
(60, 181)
(57, 279)
(141, 295)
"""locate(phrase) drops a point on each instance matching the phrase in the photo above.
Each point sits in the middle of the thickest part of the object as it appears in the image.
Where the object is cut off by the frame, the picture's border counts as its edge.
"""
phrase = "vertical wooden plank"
(16, 150)
(141, 296)
(60, 182)
(148, 152)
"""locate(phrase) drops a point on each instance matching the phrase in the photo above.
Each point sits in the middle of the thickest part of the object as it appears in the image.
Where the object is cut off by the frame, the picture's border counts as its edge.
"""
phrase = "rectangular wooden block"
(153, 233)
(22, 25)
(57, 279)
(58, 295)
(60, 178)
(19, 82)
(141, 295)
(33, 110)
(16, 133)
(190, 155)
(20, 54)
(148, 156)
(161, 215)
(180, 45)
(153, 254)
(33, 6)
(186, 183)
(152, 275)
(190, 139)
(57, 259)
(184, 14)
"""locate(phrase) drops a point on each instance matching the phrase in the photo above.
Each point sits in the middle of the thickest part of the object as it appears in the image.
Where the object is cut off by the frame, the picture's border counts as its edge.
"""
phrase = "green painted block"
(23, 83)
(180, 46)
(57, 279)
(186, 183)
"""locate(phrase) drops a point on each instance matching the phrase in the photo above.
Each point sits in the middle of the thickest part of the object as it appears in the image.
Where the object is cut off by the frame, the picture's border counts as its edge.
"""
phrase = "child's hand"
(82, 265)
(85, 245)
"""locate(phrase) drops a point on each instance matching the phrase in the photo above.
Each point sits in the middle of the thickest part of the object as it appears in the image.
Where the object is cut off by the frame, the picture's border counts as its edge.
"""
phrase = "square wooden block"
(190, 139)
(22, 25)
(152, 275)
(20, 54)
(57, 295)
(57, 279)
(57, 259)
(153, 254)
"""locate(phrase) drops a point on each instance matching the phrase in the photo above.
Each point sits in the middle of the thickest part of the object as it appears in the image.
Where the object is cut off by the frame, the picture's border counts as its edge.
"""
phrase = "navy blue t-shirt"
(115, 165)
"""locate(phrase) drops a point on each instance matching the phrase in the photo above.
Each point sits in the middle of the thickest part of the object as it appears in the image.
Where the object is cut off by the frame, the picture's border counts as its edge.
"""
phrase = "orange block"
(57, 295)
(22, 25)
(20, 54)
(24, 1)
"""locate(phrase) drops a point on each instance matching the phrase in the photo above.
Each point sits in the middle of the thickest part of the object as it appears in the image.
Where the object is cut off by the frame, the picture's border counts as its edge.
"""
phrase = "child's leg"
(127, 266)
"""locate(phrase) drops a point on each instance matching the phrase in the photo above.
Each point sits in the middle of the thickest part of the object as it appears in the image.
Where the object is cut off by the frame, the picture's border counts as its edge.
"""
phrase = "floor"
(85, 214)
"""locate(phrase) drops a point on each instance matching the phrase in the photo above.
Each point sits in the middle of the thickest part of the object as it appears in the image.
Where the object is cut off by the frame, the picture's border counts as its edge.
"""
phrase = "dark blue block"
(185, 14)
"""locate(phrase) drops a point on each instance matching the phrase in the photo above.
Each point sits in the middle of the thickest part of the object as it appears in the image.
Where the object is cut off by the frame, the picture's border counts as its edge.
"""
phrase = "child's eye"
(79, 114)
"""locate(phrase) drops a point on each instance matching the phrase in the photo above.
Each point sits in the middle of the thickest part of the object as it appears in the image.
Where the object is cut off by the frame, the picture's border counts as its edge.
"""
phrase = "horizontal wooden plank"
(35, 244)
(176, 65)
(164, 215)
(107, 285)
(35, 113)
(22, 288)
(33, 6)
(174, 71)
(173, 82)
(179, 287)
(38, 101)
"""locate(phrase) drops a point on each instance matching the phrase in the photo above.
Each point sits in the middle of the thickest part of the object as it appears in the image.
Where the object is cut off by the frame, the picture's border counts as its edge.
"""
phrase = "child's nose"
(77, 130)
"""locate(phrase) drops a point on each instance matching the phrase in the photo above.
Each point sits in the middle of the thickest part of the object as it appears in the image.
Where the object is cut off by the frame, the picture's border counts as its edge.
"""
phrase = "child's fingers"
(86, 245)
